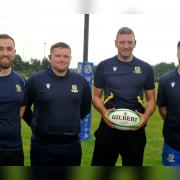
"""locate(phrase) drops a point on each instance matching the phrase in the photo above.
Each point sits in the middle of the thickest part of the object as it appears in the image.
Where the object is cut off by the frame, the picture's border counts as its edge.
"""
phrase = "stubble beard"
(5, 64)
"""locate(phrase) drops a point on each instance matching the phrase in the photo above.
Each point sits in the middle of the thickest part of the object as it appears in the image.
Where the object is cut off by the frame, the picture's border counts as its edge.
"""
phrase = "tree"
(18, 64)
(162, 68)
(35, 64)
(45, 63)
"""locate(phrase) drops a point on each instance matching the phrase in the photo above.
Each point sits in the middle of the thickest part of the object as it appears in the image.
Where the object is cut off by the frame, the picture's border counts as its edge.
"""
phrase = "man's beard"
(5, 63)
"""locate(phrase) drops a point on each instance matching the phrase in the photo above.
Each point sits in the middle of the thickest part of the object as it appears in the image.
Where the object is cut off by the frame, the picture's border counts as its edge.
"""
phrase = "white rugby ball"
(124, 119)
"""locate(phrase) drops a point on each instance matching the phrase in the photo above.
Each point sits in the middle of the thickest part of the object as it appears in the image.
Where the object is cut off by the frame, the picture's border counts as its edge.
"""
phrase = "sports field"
(152, 156)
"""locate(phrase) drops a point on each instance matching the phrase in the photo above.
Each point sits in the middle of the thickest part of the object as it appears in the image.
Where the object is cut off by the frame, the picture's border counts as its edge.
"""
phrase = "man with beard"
(11, 106)
(169, 109)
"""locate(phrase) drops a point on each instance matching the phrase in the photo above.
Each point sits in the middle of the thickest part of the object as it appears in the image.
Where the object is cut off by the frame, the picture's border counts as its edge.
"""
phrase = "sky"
(37, 24)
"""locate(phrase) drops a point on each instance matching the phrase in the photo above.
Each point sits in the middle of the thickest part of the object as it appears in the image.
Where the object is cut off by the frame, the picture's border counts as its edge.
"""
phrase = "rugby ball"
(124, 119)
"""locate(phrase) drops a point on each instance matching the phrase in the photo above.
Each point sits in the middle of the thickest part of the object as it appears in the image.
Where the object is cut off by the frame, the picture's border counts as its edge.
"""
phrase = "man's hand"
(106, 118)
(143, 121)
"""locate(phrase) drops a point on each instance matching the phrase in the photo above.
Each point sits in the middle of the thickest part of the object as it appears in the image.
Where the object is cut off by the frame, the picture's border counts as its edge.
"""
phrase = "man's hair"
(125, 30)
(178, 46)
(60, 45)
(6, 36)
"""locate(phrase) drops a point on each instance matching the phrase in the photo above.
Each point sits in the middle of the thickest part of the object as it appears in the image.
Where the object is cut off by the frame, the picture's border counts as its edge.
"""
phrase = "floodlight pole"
(44, 49)
(23, 54)
(86, 37)
(86, 70)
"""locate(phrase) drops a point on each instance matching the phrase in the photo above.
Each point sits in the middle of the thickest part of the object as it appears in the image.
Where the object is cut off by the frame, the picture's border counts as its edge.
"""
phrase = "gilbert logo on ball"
(124, 119)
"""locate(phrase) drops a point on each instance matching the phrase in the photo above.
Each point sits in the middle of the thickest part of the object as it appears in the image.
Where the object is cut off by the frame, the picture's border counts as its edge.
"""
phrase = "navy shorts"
(110, 143)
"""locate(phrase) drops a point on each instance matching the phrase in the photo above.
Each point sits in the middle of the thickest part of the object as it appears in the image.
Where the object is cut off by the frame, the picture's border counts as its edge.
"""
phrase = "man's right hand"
(106, 117)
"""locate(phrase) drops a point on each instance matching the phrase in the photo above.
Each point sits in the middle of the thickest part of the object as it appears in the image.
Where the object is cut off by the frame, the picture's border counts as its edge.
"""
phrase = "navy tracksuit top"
(59, 103)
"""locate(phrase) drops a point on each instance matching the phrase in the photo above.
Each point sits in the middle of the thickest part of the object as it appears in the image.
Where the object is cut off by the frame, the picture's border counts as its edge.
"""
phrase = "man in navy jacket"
(61, 98)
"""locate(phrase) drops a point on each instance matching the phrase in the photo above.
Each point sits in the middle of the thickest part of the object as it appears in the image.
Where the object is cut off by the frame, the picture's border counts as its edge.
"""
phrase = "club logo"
(137, 70)
(114, 68)
(173, 84)
(18, 88)
(48, 85)
(170, 158)
(88, 69)
(74, 88)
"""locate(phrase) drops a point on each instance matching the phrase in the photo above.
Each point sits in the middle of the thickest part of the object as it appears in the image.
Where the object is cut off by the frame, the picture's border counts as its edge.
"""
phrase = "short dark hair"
(125, 30)
(59, 45)
(178, 45)
(6, 36)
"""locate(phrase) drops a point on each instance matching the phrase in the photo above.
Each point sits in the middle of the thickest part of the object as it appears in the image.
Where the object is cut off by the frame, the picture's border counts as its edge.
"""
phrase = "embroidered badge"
(173, 84)
(114, 68)
(18, 88)
(48, 85)
(74, 88)
(170, 158)
(137, 70)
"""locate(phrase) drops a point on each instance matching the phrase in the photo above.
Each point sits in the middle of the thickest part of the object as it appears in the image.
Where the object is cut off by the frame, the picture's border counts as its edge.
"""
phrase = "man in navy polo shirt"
(11, 106)
(61, 99)
(123, 79)
(169, 108)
